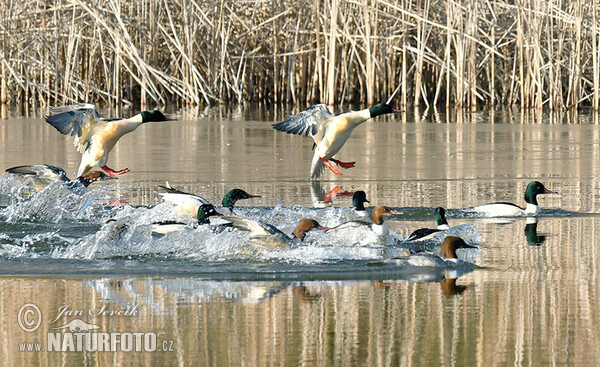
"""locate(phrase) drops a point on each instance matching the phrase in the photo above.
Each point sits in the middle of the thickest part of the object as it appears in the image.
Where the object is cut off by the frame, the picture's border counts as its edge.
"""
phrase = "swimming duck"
(502, 209)
(44, 174)
(425, 234)
(329, 132)
(270, 236)
(205, 211)
(186, 202)
(447, 255)
(95, 135)
(378, 226)
(358, 204)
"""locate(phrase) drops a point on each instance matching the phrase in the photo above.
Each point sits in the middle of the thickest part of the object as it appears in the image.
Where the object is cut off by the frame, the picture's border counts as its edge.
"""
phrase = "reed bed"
(464, 53)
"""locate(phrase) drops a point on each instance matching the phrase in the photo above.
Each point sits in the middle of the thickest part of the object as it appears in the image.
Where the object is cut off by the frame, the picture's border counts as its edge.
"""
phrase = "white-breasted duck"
(503, 209)
(425, 234)
(42, 175)
(186, 202)
(377, 224)
(95, 136)
(329, 132)
(270, 236)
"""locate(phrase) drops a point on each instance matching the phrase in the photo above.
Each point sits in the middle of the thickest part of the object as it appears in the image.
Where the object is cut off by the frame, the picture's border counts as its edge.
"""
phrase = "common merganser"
(270, 236)
(205, 211)
(329, 132)
(43, 174)
(447, 255)
(425, 234)
(502, 209)
(189, 203)
(95, 135)
(358, 204)
(378, 225)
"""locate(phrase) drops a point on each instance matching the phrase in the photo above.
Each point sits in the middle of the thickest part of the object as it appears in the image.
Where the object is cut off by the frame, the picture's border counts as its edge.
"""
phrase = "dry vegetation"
(455, 53)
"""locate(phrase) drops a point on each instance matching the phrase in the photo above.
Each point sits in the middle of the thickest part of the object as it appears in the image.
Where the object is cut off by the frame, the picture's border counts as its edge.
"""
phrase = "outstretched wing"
(79, 120)
(305, 123)
(255, 228)
(41, 171)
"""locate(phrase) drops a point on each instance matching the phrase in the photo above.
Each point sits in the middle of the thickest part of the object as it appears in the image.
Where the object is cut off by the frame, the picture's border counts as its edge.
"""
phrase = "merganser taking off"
(95, 135)
(503, 209)
(447, 255)
(269, 236)
(43, 174)
(378, 225)
(329, 132)
(425, 234)
(358, 204)
(186, 202)
(205, 211)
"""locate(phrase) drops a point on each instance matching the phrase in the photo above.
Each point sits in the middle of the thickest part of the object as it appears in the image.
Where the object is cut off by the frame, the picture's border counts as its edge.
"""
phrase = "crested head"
(233, 195)
(451, 244)
(87, 178)
(382, 109)
(154, 116)
(379, 212)
(206, 211)
(359, 199)
(440, 215)
(305, 225)
(534, 188)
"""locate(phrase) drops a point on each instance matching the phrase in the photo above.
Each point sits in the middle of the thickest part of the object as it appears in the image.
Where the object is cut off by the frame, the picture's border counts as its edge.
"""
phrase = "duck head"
(359, 199)
(534, 189)
(382, 109)
(305, 225)
(451, 244)
(234, 195)
(87, 178)
(206, 211)
(379, 212)
(440, 215)
(154, 116)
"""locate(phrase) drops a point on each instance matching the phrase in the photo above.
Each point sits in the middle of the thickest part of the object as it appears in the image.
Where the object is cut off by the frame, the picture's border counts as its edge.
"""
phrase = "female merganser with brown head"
(446, 258)
(95, 135)
(502, 209)
(425, 234)
(44, 174)
(378, 226)
(268, 235)
(330, 132)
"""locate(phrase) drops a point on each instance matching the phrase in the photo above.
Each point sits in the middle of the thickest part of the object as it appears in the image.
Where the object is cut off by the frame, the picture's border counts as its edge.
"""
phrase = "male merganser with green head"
(44, 174)
(268, 235)
(95, 135)
(502, 209)
(425, 234)
(358, 204)
(330, 132)
(186, 202)
(378, 226)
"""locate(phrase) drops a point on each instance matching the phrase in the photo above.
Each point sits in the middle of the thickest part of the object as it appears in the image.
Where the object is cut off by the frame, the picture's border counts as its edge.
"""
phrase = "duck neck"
(532, 209)
(381, 229)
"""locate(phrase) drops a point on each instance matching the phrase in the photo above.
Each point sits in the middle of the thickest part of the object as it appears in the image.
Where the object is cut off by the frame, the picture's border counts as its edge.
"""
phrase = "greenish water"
(528, 295)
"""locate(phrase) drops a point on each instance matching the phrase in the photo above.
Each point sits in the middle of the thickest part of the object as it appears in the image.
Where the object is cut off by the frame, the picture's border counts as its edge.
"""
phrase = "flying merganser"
(189, 203)
(358, 204)
(43, 174)
(502, 209)
(447, 255)
(270, 236)
(425, 234)
(378, 225)
(205, 211)
(95, 135)
(329, 132)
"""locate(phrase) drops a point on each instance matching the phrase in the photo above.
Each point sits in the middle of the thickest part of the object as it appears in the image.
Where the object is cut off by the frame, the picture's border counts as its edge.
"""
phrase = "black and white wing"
(74, 119)
(40, 171)
(353, 224)
(180, 198)
(305, 123)
(422, 234)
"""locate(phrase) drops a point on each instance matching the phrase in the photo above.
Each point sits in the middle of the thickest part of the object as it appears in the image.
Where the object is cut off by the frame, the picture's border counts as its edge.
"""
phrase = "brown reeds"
(466, 53)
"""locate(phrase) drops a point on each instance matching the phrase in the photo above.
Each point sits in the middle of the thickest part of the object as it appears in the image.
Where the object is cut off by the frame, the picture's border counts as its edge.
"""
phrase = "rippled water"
(527, 295)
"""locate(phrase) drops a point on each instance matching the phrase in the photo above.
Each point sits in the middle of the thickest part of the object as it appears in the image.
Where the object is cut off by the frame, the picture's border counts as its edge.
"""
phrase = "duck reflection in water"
(533, 239)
